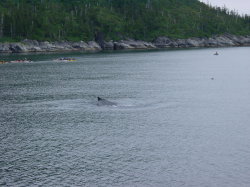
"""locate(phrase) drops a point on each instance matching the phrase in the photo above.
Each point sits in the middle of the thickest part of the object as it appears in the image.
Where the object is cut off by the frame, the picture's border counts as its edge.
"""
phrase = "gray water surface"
(182, 119)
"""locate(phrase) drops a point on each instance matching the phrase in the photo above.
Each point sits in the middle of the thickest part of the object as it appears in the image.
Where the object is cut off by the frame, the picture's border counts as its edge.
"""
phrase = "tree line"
(139, 19)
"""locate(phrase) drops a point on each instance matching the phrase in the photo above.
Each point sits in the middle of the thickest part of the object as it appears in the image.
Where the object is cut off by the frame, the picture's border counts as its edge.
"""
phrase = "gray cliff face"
(215, 41)
(133, 44)
(5, 48)
(108, 45)
(160, 42)
(35, 46)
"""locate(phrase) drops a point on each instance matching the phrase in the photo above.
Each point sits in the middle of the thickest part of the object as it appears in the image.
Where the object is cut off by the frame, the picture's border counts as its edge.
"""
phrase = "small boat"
(19, 61)
(15, 61)
(65, 59)
(216, 53)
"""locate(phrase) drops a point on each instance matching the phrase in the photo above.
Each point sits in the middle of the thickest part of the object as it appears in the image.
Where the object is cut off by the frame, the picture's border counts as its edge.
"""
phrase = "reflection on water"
(172, 126)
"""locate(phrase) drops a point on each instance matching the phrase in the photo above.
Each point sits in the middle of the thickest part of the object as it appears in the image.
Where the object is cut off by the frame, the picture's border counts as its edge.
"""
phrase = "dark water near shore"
(173, 125)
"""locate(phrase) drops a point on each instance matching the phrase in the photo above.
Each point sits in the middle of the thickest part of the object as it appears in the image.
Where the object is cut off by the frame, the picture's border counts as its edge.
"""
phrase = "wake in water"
(130, 104)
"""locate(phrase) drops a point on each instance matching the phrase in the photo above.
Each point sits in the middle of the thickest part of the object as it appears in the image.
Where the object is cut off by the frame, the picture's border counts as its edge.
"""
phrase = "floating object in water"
(15, 61)
(104, 102)
(216, 53)
(65, 59)
(18, 61)
(212, 78)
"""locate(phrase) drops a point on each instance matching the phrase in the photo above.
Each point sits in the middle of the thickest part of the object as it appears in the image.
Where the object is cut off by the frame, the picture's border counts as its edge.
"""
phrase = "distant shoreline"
(32, 46)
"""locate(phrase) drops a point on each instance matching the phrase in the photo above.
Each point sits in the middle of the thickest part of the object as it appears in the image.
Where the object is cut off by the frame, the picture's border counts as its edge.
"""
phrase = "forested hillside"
(138, 19)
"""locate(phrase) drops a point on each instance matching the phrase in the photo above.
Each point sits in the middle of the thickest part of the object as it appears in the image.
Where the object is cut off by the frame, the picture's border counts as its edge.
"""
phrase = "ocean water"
(182, 119)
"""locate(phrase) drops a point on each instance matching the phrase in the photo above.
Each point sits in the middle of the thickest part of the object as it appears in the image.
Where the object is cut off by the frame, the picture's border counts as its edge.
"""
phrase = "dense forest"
(116, 19)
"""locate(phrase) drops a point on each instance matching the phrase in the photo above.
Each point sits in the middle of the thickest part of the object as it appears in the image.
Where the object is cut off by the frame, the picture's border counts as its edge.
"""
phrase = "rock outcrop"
(5, 48)
(160, 42)
(215, 41)
(35, 46)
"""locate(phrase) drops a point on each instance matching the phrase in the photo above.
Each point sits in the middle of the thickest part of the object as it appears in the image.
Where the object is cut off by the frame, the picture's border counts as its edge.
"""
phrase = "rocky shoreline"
(27, 46)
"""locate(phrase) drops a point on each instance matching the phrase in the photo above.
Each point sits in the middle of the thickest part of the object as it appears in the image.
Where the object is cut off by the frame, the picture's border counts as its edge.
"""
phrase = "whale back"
(104, 102)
